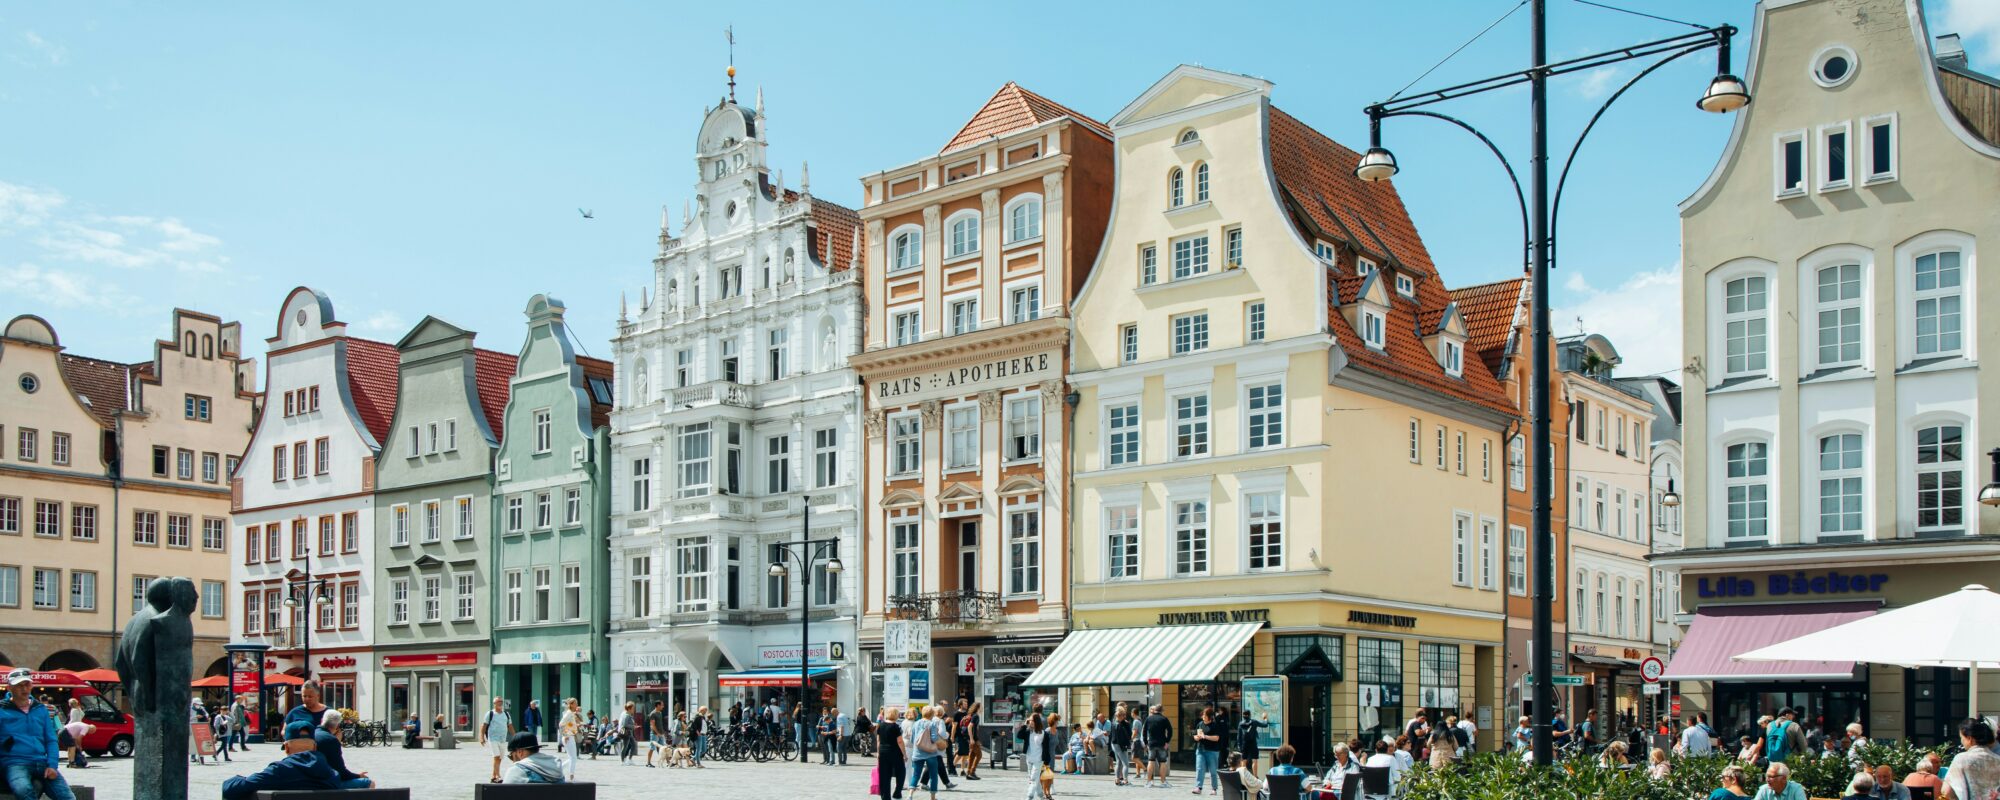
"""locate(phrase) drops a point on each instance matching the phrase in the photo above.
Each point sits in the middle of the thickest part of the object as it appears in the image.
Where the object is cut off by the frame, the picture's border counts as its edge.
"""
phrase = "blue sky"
(429, 158)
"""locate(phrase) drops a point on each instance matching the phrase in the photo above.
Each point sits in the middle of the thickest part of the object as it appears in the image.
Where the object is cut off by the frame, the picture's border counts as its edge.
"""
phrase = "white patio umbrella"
(1955, 631)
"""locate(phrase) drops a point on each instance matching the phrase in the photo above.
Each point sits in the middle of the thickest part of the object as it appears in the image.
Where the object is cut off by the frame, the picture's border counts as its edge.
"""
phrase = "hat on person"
(299, 729)
(20, 676)
(525, 740)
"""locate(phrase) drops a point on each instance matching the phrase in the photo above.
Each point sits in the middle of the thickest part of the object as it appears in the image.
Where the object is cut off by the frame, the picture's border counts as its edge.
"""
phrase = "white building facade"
(737, 429)
(304, 507)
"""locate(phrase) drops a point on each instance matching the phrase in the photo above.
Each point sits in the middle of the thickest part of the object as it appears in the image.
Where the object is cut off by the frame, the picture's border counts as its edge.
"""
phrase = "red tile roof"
(372, 378)
(1013, 108)
(1327, 202)
(600, 413)
(836, 229)
(104, 384)
(495, 372)
(1491, 311)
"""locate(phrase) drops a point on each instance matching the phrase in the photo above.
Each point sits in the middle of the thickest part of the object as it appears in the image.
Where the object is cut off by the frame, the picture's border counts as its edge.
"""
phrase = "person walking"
(1471, 731)
(631, 727)
(1035, 758)
(843, 732)
(889, 757)
(220, 724)
(493, 733)
(1208, 752)
(656, 736)
(927, 742)
(569, 731)
(698, 732)
(1783, 739)
(1158, 731)
(1121, 746)
(29, 756)
(531, 717)
(1974, 773)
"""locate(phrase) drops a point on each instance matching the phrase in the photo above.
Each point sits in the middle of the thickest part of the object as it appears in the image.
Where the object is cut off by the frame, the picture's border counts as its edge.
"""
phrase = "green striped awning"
(1123, 656)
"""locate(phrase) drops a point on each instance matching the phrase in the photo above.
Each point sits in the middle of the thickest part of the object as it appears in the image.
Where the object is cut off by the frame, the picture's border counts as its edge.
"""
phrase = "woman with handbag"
(1036, 758)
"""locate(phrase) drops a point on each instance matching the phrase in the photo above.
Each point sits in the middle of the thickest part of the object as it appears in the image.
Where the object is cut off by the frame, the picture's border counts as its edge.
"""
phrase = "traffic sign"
(1652, 668)
(1559, 680)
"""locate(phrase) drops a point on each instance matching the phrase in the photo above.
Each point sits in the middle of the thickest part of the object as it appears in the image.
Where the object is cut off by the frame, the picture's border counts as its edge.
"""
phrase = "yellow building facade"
(1277, 424)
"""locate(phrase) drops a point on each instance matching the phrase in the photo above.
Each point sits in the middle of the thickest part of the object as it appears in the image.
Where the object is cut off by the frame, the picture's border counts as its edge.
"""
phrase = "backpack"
(1775, 743)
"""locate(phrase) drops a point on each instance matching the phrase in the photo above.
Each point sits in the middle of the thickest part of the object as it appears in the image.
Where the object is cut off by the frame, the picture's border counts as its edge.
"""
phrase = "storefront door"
(1828, 705)
(431, 692)
(399, 703)
(1308, 722)
(1934, 704)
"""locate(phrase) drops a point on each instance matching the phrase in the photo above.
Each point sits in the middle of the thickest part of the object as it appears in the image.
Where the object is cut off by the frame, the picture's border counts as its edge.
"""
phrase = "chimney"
(1949, 52)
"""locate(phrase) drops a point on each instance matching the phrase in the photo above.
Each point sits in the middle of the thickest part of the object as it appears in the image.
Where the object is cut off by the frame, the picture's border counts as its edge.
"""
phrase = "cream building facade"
(1836, 408)
(974, 255)
(112, 474)
(1277, 425)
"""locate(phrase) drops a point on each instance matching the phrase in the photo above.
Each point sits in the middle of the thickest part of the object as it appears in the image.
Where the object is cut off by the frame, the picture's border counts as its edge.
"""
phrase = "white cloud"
(59, 232)
(1641, 317)
(1597, 82)
(26, 206)
(68, 289)
(384, 322)
(1978, 22)
(52, 52)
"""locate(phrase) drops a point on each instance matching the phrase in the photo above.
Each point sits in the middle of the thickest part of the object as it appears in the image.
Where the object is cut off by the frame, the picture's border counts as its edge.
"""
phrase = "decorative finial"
(778, 178)
(665, 227)
(730, 33)
(760, 100)
(805, 178)
(854, 253)
(621, 307)
(645, 299)
(687, 213)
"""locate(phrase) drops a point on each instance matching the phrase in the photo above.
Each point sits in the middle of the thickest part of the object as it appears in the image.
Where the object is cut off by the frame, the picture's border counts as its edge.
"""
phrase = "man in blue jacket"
(28, 751)
(301, 768)
(327, 741)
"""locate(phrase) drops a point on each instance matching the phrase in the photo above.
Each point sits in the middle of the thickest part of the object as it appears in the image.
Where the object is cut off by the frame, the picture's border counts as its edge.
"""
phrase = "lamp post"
(804, 554)
(1725, 93)
(313, 590)
(1990, 493)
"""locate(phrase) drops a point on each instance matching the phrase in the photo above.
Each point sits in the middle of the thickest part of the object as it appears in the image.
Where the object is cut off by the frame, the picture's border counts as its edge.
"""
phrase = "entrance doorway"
(968, 557)
(1934, 703)
(1308, 722)
(431, 694)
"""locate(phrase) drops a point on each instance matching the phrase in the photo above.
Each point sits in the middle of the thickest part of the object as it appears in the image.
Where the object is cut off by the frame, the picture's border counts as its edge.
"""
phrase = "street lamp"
(1725, 93)
(806, 553)
(1671, 499)
(314, 590)
(1990, 495)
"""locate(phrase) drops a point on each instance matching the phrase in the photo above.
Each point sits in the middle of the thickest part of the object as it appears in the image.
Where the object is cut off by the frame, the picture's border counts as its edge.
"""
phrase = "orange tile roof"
(1490, 311)
(837, 228)
(1326, 201)
(372, 379)
(104, 383)
(1013, 108)
(600, 413)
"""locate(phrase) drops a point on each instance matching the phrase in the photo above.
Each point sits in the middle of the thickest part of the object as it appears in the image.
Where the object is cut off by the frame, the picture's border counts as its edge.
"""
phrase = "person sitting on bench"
(301, 768)
(531, 765)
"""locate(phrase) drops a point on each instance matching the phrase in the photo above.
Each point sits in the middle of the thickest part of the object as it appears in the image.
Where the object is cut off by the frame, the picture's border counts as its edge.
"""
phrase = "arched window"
(1024, 218)
(187, 349)
(1189, 136)
(1619, 601)
(1939, 304)
(1745, 325)
(1840, 477)
(1176, 188)
(964, 233)
(207, 346)
(1201, 182)
(1747, 491)
(906, 249)
(1941, 480)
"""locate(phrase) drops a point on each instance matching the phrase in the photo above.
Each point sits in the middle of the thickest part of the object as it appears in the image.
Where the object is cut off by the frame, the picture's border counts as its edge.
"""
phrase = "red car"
(113, 728)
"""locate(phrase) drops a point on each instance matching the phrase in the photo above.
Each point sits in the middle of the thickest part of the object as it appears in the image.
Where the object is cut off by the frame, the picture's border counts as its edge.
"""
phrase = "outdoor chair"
(1285, 787)
(1374, 783)
(402, 793)
(1232, 786)
(1350, 786)
(534, 791)
(82, 792)
(1916, 793)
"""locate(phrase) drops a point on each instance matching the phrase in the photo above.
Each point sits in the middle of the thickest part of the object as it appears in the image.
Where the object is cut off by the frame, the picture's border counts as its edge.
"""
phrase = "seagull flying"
(587, 213)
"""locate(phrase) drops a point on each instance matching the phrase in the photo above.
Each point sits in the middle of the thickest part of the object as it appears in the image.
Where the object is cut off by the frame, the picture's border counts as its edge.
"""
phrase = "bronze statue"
(156, 662)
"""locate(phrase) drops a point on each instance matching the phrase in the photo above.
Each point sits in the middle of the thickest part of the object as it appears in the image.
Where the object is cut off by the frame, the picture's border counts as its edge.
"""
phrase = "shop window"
(1437, 679)
(1379, 663)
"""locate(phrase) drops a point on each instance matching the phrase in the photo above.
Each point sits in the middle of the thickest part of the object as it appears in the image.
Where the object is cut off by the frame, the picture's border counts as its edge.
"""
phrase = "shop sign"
(920, 686)
(654, 662)
(970, 378)
(968, 664)
(896, 687)
(787, 655)
(337, 662)
(1015, 659)
(1797, 583)
(1215, 617)
(429, 660)
(1375, 618)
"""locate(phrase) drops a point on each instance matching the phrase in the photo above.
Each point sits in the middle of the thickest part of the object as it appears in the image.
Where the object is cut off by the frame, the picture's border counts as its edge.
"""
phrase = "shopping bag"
(875, 780)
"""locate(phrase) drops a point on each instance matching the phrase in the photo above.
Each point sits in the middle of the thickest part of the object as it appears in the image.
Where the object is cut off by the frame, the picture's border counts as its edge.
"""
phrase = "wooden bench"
(81, 792)
(534, 791)
(334, 794)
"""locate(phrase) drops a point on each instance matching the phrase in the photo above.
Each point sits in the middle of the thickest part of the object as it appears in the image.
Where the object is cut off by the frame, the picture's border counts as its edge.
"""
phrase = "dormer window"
(1363, 267)
(1406, 286)
(1189, 136)
(1324, 250)
(1372, 328)
(1454, 359)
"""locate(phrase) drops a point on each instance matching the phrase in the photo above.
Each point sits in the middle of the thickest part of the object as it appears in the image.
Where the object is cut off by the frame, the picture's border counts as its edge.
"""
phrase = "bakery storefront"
(1345, 670)
(1738, 600)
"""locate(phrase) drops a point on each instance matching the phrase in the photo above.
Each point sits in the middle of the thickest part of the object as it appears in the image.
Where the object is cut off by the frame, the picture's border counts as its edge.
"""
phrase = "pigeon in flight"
(587, 213)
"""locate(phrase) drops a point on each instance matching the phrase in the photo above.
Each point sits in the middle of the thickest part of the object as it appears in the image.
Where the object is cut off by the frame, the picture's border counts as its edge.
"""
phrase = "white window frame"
(1191, 521)
(639, 586)
(1024, 301)
(1489, 554)
(906, 325)
(1122, 527)
(1517, 561)
(1021, 229)
(826, 457)
(1255, 324)
(1023, 439)
(905, 556)
(462, 595)
(1827, 162)
(1749, 483)
(573, 597)
(1848, 312)
(1416, 441)
(1263, 415)
(1869, 176)
(1749, 318)
(399, 524)
(962, 310)
(1779, 190)
(1196, 428)
(1197, 256)
(1122, 434)
(1149, 265)
(573, 506)
(1189, 333)
(778, 464)
(694, 474)
(1844, 478)
(904, 255)
(1023, 520)
(1264, 530)
(642, 484)
(433, 520)
(1373, 328)
(1919, 296)
(1128, 343)
(1454, 358)
(1961, 469)
(963, 221)
(1461, 549)
(962, 445)
(399, 601)
(691, 574)
(1406, 285)
(906, 443)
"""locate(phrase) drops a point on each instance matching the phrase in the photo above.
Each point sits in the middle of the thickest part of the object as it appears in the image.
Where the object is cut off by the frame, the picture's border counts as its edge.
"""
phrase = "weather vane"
(729, 32)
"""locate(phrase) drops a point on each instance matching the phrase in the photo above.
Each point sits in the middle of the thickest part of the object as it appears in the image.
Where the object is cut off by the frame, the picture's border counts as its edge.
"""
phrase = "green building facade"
(550, 569)
(433, 507)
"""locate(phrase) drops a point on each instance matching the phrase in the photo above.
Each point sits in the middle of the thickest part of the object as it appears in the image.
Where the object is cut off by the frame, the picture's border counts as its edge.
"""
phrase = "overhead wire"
(1453, 53)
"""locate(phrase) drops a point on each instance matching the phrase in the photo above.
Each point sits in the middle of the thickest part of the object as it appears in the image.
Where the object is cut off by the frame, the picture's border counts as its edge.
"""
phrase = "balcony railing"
(947, 608)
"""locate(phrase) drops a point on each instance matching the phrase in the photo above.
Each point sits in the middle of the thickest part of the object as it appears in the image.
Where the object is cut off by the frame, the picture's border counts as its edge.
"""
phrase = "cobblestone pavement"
(449, 775)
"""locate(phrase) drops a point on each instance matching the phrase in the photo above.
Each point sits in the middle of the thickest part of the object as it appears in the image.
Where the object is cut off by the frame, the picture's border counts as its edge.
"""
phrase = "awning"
(1720, 633)
(775, 676)
(1126, 656)
(1604, 661)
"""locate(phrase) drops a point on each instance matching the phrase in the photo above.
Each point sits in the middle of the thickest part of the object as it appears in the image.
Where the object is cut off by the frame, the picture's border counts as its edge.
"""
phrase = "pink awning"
(1719, 633)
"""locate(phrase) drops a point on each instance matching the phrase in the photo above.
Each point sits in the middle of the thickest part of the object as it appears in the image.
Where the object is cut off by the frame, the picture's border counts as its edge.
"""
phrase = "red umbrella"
(99, 675)
(281, 679)
(211, 682)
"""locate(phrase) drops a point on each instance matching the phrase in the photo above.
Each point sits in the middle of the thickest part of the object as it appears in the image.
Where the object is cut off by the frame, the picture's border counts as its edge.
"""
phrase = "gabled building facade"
(1278, 429)
(304, 495)
(735, 432)
(1835, 404)
(433, 507)
(113, 474)
(975, 254)
(549, 584)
